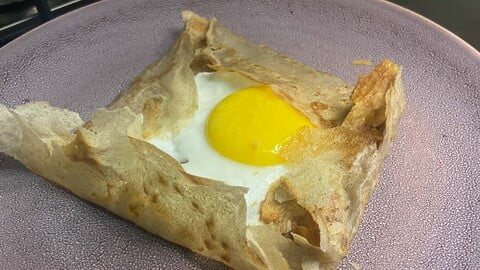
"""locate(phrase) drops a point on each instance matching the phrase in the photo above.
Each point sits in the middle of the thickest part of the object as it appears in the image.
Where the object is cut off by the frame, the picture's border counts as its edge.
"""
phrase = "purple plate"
(425, 212)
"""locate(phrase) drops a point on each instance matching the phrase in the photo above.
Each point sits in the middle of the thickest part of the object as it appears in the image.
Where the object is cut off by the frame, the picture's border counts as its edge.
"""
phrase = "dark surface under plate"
(425, 213)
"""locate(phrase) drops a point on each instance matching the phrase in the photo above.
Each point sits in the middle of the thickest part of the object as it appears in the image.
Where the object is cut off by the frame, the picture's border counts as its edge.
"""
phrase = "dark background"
(462, 17)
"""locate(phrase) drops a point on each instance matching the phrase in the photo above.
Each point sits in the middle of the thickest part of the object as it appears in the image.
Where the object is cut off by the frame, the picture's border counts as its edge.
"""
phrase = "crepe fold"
(310, 214)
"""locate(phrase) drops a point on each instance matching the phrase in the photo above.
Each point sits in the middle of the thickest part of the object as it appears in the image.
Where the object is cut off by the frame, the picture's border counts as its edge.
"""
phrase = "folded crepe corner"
(323, 198)
(310, 215)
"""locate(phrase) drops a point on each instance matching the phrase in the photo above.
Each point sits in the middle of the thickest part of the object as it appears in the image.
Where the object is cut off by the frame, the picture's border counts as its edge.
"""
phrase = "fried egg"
(236, 135)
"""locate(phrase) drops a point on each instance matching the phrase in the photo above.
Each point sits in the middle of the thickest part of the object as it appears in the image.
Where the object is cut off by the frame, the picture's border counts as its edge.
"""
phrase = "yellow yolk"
(252, 125)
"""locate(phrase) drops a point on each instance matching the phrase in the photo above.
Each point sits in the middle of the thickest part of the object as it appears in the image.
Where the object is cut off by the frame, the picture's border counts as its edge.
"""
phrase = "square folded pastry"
(226, 147)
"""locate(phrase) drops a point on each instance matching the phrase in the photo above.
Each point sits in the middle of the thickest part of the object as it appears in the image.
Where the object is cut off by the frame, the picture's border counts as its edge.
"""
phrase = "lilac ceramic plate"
(425, 212)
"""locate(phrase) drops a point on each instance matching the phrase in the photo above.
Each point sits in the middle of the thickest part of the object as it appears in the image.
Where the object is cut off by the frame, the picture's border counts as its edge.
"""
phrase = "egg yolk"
(252, 125)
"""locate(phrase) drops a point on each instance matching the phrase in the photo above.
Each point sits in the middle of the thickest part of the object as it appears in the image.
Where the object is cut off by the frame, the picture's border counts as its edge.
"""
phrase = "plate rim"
(434, 25)
(382, 3)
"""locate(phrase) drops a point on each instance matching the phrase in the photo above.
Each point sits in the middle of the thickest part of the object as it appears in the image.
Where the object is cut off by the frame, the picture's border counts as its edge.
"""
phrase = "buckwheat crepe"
(310, 214)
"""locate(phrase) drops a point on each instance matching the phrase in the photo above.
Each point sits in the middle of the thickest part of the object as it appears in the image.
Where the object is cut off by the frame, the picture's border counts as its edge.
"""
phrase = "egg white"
(192, 149)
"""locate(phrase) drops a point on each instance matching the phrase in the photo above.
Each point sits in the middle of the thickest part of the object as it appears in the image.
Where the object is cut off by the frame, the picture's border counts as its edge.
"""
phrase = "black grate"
(19, 16)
